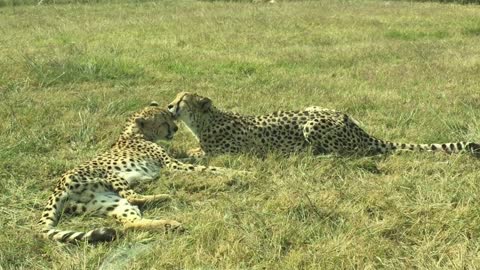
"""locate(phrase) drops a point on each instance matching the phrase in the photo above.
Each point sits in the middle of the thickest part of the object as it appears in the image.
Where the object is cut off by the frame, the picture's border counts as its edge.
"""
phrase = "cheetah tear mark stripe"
(177, 108)
(454, 147)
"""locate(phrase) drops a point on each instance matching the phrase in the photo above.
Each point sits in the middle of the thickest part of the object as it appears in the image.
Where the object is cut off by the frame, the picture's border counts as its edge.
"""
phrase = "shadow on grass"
(121, 257)
(472, 31)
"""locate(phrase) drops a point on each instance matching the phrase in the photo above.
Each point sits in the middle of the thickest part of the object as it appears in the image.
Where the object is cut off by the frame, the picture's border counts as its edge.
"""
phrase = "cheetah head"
(155, 123)
(187, 106)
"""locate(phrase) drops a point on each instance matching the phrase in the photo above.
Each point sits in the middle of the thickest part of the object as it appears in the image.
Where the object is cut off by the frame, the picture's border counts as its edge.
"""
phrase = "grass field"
(409, 72)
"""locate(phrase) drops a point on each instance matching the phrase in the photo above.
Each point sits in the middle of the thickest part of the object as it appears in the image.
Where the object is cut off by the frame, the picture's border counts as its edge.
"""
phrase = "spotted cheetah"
(102, 186)
(322, 130)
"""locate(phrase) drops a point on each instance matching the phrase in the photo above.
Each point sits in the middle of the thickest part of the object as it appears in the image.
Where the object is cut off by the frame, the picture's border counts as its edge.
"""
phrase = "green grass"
(72, 73)
(447, 1)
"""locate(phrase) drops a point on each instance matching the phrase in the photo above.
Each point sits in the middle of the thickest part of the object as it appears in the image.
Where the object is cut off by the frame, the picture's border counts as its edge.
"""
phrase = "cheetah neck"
(197, 123)
(130, 133)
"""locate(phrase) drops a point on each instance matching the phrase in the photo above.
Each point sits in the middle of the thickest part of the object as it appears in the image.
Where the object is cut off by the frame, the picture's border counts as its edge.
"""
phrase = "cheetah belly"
(139, 173)
(285, 137)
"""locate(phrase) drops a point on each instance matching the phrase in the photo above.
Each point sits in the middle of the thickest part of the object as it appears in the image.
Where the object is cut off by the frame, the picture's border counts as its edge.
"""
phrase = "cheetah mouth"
(176, 113)
(175, 109)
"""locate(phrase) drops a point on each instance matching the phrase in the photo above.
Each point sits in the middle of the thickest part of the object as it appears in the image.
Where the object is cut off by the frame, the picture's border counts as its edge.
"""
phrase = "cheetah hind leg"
(120, 185)
(129, 215)
(332, 139)
(322, 139)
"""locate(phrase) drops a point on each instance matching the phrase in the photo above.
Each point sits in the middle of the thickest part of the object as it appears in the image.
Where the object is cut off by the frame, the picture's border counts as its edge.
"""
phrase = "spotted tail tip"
(474, 148)
(102, 235)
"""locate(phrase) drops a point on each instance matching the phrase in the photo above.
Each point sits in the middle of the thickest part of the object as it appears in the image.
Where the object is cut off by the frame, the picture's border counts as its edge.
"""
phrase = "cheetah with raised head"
(325, 131)
(102, 186)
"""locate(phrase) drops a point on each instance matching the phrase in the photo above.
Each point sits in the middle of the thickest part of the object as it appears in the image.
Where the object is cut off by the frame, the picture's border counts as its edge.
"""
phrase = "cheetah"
(102, 186)
(322, 130)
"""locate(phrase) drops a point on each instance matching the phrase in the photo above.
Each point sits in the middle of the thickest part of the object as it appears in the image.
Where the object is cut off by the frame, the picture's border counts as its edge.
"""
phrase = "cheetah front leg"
(138, 199)
(176, 165)
(193, 154)
(197, 153)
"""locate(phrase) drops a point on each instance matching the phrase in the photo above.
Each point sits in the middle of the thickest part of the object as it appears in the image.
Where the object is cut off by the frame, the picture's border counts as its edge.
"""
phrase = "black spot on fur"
(79, 237)
(53, 233)
(66, 236)
(459, 146)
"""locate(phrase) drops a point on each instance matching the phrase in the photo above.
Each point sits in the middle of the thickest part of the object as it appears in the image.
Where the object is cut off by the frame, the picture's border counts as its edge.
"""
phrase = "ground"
(408, 72)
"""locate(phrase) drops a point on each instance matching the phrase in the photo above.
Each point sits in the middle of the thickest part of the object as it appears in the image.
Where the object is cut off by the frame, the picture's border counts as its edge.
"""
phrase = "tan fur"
(323, 130)
(102, 186)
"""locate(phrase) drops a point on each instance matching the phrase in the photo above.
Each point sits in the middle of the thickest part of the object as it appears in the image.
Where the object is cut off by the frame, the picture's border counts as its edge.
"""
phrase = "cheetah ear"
(154, 104)
(140, 121)
(205, 104)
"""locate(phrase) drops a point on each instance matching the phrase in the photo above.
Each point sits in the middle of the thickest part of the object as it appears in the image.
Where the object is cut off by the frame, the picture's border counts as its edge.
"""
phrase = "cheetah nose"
(175, 129)
(170, 106)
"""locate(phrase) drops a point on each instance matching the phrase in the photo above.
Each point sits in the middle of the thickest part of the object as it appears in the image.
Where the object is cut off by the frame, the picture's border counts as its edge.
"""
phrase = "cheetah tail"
(455, 147)
(50, 218)
(93, 236)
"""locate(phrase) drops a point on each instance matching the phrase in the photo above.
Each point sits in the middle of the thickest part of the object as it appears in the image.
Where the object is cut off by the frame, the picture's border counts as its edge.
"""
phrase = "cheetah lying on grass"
(325, 131)
(102, 185)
